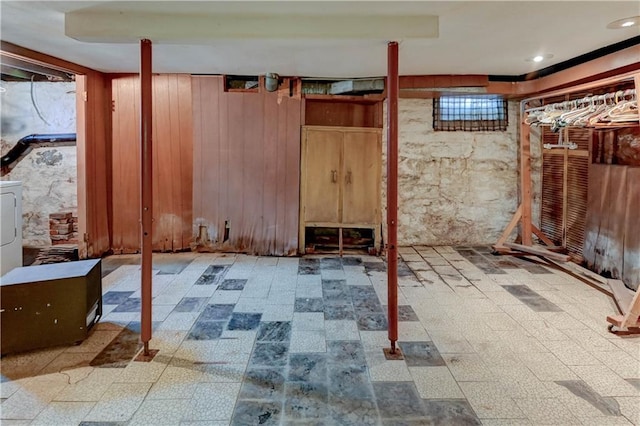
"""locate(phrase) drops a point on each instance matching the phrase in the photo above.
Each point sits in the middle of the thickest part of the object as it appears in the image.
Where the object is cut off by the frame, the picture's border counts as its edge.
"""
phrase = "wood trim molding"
(18, 52)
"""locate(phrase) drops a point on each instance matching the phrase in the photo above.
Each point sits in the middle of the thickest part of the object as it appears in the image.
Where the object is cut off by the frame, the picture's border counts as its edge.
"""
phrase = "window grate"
(470, 113)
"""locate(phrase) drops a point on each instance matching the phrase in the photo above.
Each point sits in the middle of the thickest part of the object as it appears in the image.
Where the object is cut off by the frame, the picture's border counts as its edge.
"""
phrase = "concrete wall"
(455, 188)
(49, 175)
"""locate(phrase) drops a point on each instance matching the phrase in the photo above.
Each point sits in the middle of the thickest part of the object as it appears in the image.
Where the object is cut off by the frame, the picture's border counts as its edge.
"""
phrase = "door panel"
(322, 176)
(361, 177)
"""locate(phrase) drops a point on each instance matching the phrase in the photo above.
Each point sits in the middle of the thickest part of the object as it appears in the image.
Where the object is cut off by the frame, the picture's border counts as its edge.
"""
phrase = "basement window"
(241, 83)
(470, 113)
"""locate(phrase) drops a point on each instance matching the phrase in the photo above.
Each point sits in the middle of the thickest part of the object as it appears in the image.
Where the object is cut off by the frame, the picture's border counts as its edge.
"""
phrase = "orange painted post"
(146, 147)
(393, 85)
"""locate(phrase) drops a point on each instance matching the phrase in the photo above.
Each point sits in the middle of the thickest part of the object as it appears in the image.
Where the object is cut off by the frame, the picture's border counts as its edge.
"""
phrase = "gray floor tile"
(257, 413)
(191, 304)
(269, 354)
(232, 284)
(206, 330)
(274, 331)
(115, 297)
(349, 383)
(244, 321)
(351, 261)
(406, 313)
(216, 312)
(398, 400)
(307, 367)
(449, 412)
(417, 354)
(346, 354)
(263, 384)
(356, 412)
(339, 312)
(372, 321)
(131, 304)
(306, 400)
(309, 305)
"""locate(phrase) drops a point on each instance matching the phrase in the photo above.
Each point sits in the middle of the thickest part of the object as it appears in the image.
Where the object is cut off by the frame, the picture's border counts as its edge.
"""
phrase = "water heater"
(11, 228)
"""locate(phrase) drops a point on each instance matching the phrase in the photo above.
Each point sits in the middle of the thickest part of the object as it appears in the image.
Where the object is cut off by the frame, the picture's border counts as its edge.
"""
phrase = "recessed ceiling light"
(632, 21)
(539, 58)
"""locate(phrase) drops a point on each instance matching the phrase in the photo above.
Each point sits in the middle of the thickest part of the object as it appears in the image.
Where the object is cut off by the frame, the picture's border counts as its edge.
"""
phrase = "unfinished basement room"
(320, 213)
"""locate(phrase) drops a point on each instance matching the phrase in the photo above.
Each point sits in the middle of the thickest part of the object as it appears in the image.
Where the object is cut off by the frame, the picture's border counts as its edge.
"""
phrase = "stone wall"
(458, 188)
(48, 175)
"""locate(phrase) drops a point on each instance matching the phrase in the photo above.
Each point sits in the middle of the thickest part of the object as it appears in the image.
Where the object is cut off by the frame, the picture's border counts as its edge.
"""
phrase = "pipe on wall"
(22, 148)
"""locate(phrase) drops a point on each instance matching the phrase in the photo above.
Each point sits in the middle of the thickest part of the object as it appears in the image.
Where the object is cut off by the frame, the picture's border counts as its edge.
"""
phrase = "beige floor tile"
(69, 361)
(491, 401)
(630, 408)
(167, 341)
(222, 372)
(606, 421)
(341, 330)
(467, 367)
(450, 342)
(91, 387)
(383, 370)
(619, 361)
(570, 353)
(435, 383)
(307, 341)
(159, 412)
(119, 403)
(212, 401)
(18, 366)
(541, 330)
(520, 382)
(308, 321)
(96, 342)
(547, 411)
(63, 413)
(604, 381)
(195, 351)
(546, 366)
(176, 383)
(412, 331)
(143, 371)
(33, 397)
(507, 422)
(10, 387)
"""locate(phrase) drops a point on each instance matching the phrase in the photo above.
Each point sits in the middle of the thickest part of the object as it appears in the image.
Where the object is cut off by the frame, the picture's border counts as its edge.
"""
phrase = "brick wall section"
(63, 228)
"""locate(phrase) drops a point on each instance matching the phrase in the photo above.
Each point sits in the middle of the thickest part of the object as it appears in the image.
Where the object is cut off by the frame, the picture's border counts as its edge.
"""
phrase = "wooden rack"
(629, 320)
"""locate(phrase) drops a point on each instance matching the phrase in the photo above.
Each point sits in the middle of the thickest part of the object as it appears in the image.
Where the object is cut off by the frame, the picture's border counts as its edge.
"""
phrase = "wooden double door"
(340, 179)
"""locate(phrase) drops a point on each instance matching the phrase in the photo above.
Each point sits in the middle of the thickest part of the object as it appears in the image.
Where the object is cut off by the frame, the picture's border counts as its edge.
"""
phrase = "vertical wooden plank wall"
(173, 163)
(246, 169)
(93, 160)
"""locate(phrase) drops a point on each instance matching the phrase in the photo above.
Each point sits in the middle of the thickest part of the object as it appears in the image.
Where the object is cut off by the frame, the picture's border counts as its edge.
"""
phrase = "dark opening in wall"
(241, 83)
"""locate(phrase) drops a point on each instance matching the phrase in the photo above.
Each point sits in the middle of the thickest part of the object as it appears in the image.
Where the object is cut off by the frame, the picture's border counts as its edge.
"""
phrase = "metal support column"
(393, 86)
(146, 211)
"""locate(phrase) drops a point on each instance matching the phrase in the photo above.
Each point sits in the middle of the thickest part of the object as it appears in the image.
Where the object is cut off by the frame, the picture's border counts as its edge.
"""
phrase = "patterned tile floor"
(247, 340)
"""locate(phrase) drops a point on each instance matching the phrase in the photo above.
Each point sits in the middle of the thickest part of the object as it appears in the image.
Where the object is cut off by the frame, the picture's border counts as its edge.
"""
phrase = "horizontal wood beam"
(11, 50)
(538, 251)
(438, 81)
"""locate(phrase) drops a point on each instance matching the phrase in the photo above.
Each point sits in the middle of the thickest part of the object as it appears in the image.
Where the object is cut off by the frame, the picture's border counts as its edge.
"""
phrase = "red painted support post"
(393, 86)
(146, 150)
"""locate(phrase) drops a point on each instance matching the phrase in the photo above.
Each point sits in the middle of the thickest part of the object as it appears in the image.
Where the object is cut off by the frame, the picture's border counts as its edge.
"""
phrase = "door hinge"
(85, 96)
(113, 105)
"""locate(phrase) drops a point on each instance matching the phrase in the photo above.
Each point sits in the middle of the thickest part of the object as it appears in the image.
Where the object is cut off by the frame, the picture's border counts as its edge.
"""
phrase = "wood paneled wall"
(246, 169)
(172, 163)
(92, 128)
(612, 243)
(334, 112)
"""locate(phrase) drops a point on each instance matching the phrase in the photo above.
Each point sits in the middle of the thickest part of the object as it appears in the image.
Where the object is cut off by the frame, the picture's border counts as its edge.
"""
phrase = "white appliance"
(11, 228)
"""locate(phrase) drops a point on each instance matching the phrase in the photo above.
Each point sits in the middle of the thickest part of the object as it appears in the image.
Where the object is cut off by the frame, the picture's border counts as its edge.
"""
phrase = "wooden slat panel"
(292, 188)
(126, 165)
(598, 184)
(172, 140)
(609, 244)
(577, 191)
(552, 182)
(235, 178)
(631, 258)
(249, 171)
(185, 158)
(270, 171)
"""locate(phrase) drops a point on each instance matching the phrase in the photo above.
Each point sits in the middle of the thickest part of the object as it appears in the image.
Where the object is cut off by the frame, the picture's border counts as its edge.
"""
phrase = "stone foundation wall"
(455, 188)
(48, 175)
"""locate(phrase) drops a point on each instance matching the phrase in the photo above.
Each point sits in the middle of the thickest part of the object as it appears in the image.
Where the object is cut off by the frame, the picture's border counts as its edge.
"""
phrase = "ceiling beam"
(10, 50)
(107, 26)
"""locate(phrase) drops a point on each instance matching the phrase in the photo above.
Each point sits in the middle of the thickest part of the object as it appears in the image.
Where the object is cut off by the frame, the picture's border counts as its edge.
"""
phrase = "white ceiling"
(475, 37)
